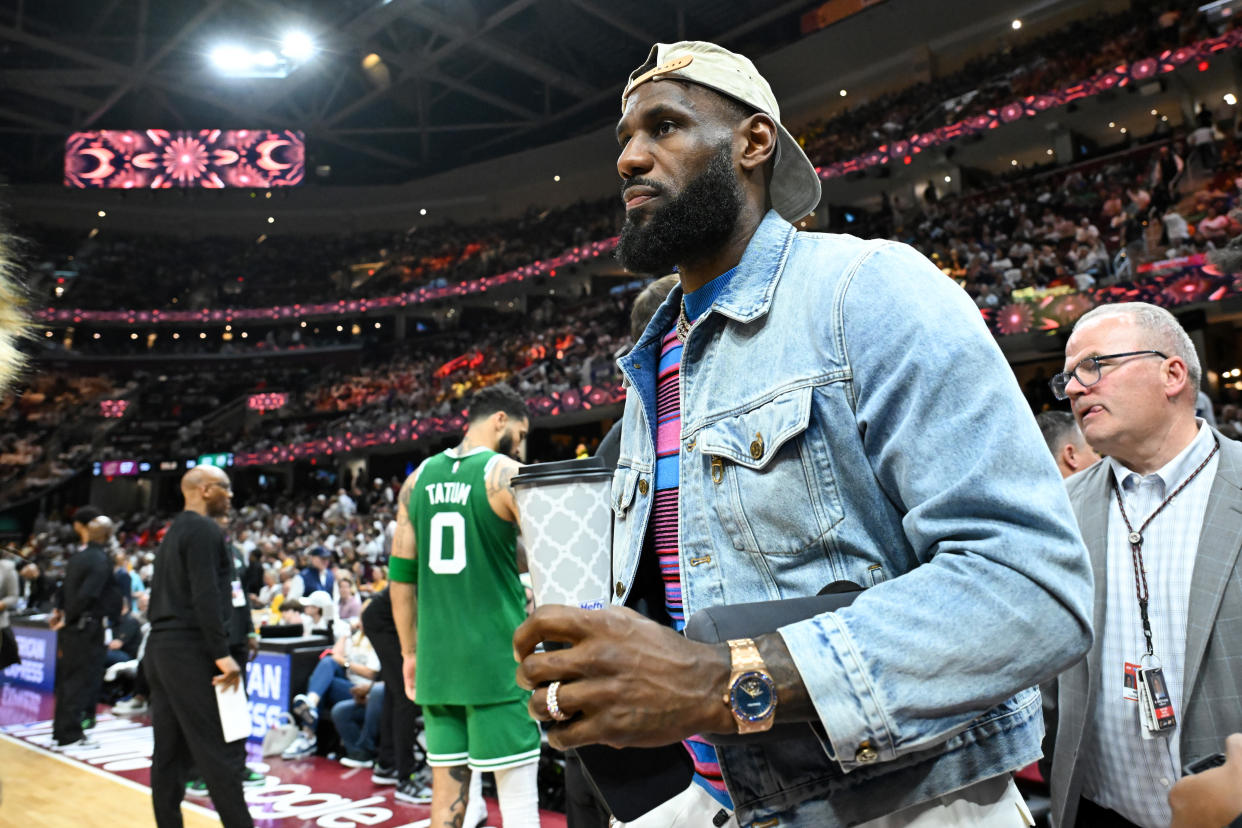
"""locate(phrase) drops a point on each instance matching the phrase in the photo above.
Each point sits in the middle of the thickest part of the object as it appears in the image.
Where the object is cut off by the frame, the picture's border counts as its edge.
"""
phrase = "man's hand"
(409, 664)
(230, 673)
(1211, 799)
(56, 621)
(626, 680)
(359, 692)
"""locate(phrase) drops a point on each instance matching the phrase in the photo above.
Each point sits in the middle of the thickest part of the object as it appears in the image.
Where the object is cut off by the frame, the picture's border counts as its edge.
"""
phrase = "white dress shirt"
(1124, 771)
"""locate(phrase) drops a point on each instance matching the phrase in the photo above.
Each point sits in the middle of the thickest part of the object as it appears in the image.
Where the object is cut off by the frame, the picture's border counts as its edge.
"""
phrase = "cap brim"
(795, 188)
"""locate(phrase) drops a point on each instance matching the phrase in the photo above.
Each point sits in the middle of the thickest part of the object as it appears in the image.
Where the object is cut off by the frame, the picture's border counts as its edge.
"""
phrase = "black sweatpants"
(400, 715)
(186, 724)
(583, 808)
(240, 654)
(79, 670)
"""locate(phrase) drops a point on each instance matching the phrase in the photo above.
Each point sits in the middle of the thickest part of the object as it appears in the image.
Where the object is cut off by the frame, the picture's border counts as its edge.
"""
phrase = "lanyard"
(1136, 543)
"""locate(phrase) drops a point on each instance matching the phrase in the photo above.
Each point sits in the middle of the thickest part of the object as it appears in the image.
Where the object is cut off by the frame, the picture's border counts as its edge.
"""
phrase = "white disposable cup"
(566, 523)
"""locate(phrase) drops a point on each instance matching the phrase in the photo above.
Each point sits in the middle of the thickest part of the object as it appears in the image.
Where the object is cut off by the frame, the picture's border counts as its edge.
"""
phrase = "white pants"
(992, 803)
(692, 808)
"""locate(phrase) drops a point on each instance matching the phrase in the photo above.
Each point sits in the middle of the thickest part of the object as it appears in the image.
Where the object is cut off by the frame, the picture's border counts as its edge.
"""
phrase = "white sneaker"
(132, 706)
(302, 747)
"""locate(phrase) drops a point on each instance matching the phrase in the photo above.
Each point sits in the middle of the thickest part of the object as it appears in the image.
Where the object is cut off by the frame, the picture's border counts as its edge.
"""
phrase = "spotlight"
(297, 46)
(265, 58)
(423, 211)
(271, 219)
(230, 58)
(1017, 24)
(102, 214)
(1231, 98)
(948, 179)
(844, 93)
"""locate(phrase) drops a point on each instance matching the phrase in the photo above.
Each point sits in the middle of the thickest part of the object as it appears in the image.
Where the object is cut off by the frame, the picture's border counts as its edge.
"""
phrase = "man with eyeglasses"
(1162, 520)
(187, 655)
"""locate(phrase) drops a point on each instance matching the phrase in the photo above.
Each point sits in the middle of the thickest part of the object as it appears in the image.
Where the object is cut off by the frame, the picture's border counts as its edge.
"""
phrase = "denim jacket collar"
(749, 293)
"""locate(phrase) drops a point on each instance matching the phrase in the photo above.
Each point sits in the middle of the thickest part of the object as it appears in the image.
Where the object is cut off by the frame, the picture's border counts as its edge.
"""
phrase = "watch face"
(753, 696)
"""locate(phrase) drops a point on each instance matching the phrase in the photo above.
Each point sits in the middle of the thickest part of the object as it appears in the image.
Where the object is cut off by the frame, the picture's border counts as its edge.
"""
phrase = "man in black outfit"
(395, 764)
(78, 622)
(188, 655)
(243, 644)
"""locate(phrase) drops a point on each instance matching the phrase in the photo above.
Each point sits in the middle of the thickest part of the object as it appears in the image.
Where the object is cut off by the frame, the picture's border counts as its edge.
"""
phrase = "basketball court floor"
(108, 785)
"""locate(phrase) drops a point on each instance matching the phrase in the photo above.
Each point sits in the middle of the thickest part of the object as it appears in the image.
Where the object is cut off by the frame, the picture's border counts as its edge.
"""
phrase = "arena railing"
(1119, 77)
(338, 309)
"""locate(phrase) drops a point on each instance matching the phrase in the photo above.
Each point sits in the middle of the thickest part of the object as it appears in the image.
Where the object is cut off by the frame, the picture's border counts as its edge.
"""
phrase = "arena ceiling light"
(297, 46)
(1017, 24)
(230, 58)
(237, 61)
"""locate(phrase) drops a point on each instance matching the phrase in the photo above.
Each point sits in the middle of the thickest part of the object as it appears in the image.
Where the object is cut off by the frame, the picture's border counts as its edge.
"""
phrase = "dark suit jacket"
(1213, 671)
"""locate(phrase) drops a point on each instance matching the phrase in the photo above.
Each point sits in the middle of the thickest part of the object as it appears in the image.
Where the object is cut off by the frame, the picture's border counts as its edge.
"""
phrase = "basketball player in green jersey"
(456, 601)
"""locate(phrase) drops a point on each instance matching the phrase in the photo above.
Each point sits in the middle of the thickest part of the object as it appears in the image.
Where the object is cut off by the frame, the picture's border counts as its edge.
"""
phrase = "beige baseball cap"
(795, 186)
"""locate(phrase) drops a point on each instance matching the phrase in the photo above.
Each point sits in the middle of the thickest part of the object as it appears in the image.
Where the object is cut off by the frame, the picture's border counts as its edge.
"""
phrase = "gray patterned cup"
(567, 530)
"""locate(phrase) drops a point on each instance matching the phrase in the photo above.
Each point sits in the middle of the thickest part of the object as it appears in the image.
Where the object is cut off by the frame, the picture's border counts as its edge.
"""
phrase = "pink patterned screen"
(157, 159)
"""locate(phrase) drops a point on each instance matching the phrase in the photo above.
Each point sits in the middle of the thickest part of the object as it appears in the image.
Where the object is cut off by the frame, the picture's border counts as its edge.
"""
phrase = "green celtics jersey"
(469, 597)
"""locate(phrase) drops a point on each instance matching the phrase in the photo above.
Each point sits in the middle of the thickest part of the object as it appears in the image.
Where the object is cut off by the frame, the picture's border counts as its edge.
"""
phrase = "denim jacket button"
(620, 589)
(866, 754)
(642, 486)
(756, 447)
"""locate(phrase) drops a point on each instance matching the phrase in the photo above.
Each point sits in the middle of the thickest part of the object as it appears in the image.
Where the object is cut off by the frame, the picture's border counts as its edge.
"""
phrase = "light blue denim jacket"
(846, 415)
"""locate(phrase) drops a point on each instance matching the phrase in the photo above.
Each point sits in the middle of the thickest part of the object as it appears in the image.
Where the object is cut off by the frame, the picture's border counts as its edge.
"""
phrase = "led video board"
(157, 159)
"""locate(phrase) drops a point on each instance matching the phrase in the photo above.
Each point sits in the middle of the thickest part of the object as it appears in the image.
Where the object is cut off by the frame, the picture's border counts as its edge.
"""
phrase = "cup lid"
(586, 468)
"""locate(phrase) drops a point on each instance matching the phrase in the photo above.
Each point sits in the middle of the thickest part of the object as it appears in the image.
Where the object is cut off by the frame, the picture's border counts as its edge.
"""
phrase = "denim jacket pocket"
(771, 493)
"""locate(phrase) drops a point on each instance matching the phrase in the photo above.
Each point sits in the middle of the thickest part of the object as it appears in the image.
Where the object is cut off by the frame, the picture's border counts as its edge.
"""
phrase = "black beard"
(692, 227)
(505, 444)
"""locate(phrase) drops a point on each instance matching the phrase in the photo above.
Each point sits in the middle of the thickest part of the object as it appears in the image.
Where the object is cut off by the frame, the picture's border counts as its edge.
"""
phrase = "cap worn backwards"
(795, 186)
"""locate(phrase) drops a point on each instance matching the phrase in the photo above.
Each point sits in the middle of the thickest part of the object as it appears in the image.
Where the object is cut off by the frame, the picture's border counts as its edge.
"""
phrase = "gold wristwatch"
(751, 696)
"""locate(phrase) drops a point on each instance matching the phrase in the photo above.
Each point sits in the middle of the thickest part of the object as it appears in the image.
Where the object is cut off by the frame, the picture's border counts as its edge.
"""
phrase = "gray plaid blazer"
(1213, 689)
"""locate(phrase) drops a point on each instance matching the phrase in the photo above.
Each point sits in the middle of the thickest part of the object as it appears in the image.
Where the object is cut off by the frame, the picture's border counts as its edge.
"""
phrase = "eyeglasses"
(1087, 372)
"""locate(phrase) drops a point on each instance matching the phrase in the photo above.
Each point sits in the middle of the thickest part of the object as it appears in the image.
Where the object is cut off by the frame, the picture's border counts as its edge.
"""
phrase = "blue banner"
(37, 648)
(267, 685)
